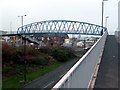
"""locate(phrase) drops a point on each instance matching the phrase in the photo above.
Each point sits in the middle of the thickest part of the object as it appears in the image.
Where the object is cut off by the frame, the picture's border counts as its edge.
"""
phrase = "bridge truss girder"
(61, 27)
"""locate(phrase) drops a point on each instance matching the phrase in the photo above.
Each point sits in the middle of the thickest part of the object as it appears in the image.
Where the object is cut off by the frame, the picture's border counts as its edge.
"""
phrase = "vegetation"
(16, 81)
(61, 54)
(38, 62)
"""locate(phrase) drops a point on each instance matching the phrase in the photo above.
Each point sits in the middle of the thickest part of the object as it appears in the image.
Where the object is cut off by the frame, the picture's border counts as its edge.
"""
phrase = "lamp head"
(107, 17)
(105, 0)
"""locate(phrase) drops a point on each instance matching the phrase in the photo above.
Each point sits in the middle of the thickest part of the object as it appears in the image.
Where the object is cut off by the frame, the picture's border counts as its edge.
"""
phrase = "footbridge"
(83, 74)
(88, 70)
(61, 27)
(56, 27)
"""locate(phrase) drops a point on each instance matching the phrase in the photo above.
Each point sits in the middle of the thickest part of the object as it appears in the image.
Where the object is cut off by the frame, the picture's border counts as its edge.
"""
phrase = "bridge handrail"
(67, 77)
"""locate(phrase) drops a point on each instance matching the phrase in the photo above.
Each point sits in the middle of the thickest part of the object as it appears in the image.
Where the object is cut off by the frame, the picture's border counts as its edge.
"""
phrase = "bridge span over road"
(83, 73)
(105, 73)
(93, 70)
(32, 33)
(61, 27)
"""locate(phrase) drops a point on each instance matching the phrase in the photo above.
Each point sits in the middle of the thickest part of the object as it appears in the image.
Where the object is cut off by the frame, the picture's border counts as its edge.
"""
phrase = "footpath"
(108, 75)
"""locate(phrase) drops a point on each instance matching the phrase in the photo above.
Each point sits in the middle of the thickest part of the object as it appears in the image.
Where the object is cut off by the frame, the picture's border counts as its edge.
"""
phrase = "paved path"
(50, 79)
(108, 72)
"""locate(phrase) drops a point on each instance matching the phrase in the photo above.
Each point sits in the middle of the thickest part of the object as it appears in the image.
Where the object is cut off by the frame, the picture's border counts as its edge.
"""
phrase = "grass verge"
(14, 81)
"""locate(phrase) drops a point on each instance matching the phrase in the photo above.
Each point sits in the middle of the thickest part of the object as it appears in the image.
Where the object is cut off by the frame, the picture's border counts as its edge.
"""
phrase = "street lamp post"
(22, 19)
(22, 22)
(24, 71)
(102, 13)
(106, 21)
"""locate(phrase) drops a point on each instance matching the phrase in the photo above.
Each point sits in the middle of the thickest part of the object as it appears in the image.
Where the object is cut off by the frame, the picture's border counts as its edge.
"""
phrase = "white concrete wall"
(80, 75)
(117, 33)
(119, 15)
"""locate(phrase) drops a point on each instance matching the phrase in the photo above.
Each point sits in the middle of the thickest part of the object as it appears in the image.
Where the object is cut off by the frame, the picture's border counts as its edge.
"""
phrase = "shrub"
(12, 70)
(29, 55)
(41, 60)
(31, 51)
(61, 54)
(69, 52)
(46, 50)
(8, 51)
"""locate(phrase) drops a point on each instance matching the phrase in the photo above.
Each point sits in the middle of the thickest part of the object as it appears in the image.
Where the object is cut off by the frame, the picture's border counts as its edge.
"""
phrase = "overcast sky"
(41, 10)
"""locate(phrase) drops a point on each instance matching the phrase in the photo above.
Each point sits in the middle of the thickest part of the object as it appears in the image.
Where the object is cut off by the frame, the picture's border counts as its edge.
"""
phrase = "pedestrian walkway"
(108, 71)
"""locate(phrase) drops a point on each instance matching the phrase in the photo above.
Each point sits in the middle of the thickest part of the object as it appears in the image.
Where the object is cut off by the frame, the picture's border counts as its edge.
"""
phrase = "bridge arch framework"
(61, 27)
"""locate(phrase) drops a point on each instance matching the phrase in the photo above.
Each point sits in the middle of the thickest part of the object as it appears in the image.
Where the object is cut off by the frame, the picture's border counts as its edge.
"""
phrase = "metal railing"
(80, 75)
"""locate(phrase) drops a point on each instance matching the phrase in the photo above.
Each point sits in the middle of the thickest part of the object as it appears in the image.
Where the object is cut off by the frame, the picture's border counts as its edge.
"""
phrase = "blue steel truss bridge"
(61, 27)
(97, 68)
(56, 27)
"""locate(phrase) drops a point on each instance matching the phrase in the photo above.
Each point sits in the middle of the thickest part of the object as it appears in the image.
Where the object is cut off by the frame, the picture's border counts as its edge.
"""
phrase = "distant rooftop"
(7, 32)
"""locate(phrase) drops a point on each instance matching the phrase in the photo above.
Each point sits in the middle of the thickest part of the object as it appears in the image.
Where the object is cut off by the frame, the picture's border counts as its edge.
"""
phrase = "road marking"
(113, 56)
(49, 84)
(61, 75)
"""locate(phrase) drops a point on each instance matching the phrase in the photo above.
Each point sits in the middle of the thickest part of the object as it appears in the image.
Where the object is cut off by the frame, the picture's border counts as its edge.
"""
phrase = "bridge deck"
(108, 72)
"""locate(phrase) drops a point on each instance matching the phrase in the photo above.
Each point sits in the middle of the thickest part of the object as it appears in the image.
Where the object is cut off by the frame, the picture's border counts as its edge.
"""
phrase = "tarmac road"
(50, 79)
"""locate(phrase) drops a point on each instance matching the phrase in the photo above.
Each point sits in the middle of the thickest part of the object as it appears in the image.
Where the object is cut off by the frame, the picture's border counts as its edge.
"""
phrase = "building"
(3, 32)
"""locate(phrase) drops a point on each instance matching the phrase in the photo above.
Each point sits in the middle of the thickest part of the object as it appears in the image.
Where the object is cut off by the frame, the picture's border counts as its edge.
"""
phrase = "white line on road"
(49, 84)
(61, 75)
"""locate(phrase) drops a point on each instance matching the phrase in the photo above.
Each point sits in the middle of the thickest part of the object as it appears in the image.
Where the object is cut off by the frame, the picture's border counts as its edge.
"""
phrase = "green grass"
(14, 82)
